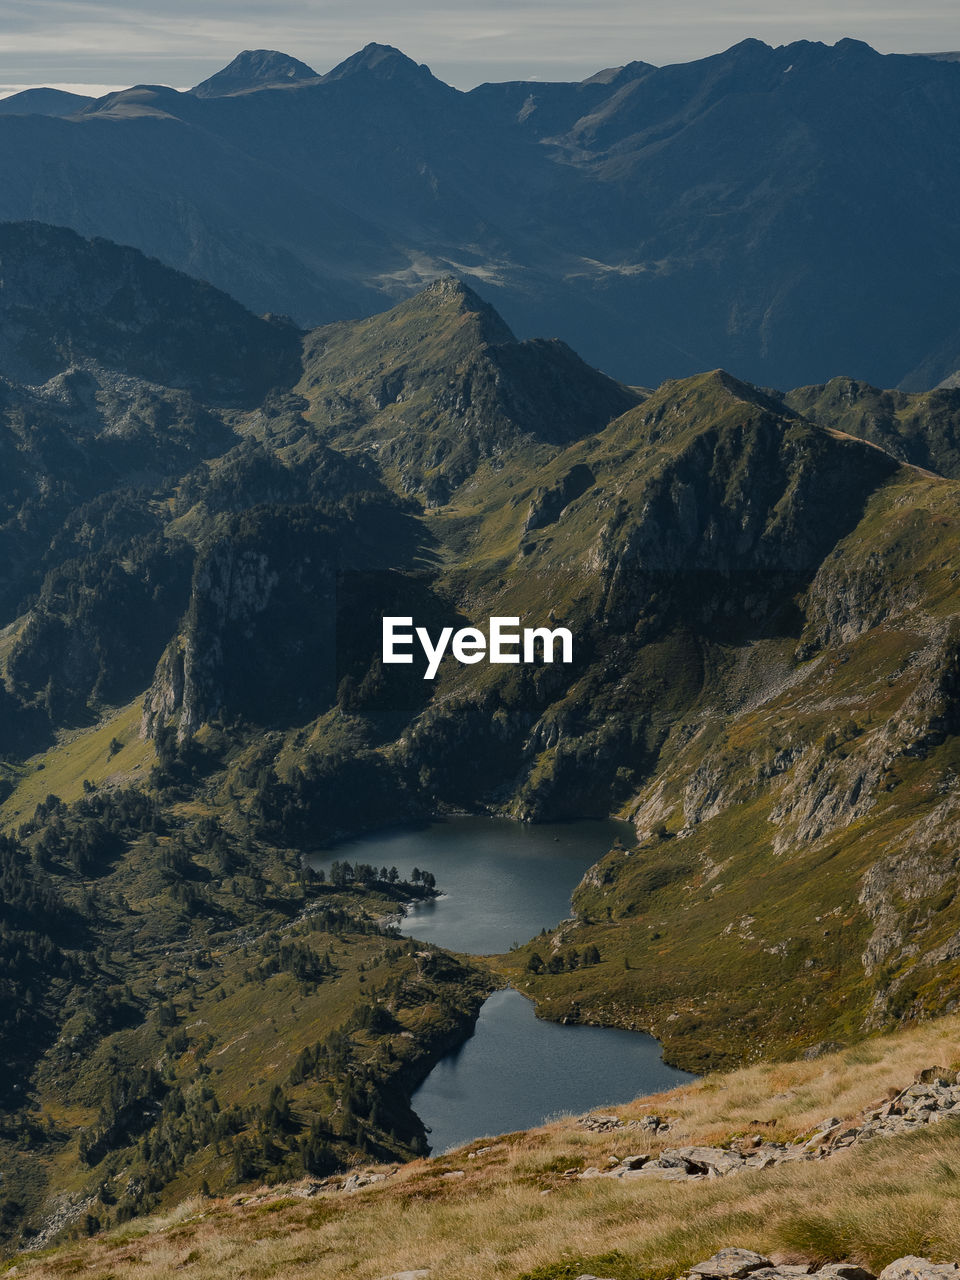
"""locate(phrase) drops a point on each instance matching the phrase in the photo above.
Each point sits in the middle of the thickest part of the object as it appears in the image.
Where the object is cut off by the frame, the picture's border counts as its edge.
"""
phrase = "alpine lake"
(500, 883)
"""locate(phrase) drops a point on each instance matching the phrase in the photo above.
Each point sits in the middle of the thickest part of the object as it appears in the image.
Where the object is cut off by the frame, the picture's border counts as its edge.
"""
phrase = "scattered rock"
(655, 1171)
(934, 1095)
(308, 1189)
(358, 1180)
(600, 1124)
(634, 1162)
(653, 1124)
(702, 1160)
(744, 1264)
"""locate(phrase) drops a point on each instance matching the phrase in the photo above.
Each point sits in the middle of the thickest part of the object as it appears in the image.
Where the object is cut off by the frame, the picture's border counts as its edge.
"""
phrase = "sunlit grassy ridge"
(870, 1204)
(923, 428)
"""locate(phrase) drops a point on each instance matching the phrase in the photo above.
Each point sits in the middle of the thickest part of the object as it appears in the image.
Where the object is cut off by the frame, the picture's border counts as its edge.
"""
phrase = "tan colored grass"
(870, 1204)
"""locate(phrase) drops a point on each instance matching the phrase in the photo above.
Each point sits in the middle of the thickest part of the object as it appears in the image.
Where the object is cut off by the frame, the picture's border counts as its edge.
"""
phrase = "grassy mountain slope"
(503, 1207)
(920, 428)
(439, 384)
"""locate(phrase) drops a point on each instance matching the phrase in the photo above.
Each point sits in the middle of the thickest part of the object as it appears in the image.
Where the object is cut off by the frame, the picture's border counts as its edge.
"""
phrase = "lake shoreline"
(501, 884)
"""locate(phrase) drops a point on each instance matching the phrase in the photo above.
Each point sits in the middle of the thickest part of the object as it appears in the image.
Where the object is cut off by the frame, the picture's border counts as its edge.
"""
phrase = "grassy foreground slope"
(502, 1207)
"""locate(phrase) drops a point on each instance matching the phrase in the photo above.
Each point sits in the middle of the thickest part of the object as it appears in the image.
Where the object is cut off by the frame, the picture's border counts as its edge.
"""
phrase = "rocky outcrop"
(259, 636)
(934, 1096)
(548, 503)
(737, 1264)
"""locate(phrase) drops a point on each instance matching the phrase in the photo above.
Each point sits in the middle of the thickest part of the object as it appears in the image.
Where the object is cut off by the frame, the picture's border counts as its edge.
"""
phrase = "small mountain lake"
(517, 1071)
(502, 882)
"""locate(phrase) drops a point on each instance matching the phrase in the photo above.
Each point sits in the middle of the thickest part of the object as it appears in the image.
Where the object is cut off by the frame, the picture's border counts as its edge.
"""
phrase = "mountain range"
(785, 212)
(204, 515)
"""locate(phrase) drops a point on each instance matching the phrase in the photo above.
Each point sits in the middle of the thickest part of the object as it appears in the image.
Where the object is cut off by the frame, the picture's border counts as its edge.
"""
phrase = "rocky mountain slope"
(784, 212)
(921, 429)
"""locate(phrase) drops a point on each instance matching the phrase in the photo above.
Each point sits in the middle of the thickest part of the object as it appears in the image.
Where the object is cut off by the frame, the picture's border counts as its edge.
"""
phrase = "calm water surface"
(517, 1071)
(502, 882)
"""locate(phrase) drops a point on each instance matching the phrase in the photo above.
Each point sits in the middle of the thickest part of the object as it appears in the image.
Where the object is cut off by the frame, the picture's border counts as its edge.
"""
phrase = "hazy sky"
(179, 42)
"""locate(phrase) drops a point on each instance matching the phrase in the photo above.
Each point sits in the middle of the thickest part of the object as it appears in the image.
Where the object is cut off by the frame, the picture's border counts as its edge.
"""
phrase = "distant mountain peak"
(381, 60)
(255, 69)
(43, 102)
(849, 45)
(617, 75)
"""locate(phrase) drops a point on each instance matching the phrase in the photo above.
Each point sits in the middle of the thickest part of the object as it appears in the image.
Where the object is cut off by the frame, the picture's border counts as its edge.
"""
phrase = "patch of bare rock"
(934, 1096)
(738, 1264)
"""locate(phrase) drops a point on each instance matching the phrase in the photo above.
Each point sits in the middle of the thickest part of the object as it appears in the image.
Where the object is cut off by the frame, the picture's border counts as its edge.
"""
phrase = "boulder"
(733, 1264)
(654, 1172)
(634, 1162)
(649, 1122)
(844, 1271)
(701, 1160)
(912, 1268)
(937, 1075)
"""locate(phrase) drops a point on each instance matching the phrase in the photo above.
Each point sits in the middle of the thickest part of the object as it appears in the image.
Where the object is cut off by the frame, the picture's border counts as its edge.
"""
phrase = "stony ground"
(933, 1097)
(738, 1264)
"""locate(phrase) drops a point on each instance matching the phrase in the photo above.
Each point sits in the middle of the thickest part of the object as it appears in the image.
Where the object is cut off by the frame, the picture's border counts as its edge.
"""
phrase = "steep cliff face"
(258, 639)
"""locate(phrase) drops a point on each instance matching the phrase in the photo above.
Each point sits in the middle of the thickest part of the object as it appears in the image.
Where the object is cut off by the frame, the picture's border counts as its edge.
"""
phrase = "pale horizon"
(98, 47)
(100, 90)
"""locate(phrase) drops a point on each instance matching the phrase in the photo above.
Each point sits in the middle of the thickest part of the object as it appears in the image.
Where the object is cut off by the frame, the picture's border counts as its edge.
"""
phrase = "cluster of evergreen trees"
(344, 875)
(37, 929)
(564, 961)
(90, 834)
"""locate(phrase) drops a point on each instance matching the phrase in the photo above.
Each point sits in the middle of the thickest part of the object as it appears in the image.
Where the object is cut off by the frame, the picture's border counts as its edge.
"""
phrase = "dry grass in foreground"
(511, 1213)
